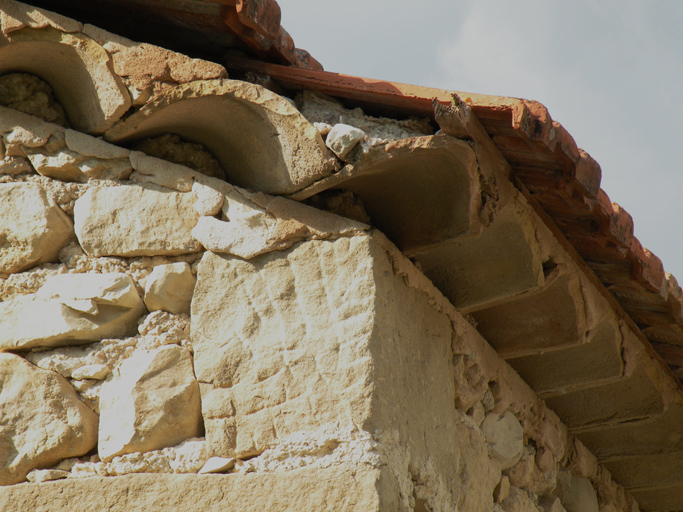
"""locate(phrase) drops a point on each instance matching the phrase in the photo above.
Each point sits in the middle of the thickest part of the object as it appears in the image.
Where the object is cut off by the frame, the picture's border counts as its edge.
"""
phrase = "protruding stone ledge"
(260, 138)
(342, 488)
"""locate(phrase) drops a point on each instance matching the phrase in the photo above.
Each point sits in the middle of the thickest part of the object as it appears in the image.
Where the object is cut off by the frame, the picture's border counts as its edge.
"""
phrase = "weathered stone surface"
(265, 332)
(209, 200)
(337, 489)
(31, 95)
(79, 70)
(32, 228)
(148, 68)
(260, 139)
(169, 288)
(46, 475)
(75, 156)
(518, 501)
(150, 402)
(285, 342)
(256, 223)
(71, 309)
(91, 371)
(342, 138)
(43, 421)
(506, 436)
(135, 220)
(552, 504)
(577, 494)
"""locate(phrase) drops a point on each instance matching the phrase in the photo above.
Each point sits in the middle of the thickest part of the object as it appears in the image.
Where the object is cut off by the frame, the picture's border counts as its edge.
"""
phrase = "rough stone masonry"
(172, 340)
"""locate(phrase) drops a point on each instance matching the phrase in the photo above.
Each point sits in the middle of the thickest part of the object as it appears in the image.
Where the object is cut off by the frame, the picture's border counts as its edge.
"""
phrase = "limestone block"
(46, 475)
(576, 494)
(151, 401)
(386, 179)
(169, 288)
(281, 341)
(17, 15)
(75, 156)
(342, 138)
(43, 421)
(33, 228)
(260, 139)
(78, 69)
(135, 220)
(148, 68)
(256, 223)
(506, 436)
(343, 488)
(518, 501)
(70, 309)
(209, 200)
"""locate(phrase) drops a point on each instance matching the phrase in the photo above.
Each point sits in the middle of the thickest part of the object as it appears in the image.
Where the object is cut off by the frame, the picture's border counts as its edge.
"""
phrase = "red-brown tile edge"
(257, 24)
(647, 268)
(262, 16)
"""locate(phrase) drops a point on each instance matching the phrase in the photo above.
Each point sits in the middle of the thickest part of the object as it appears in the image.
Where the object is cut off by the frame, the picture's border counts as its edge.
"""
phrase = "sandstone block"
(150, 402)
(135, 220)
(342, 138)
(46, 475)
(518, 501)
(506, 436)
(91, 371)
(169, 288)
(256, 223)
(217, 465)
(267, 330)
(43, 421)
(32, 228)
(71, 309)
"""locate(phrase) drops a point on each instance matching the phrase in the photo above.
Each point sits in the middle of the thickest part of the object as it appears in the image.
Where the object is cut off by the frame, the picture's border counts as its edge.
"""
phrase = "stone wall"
(175, 341)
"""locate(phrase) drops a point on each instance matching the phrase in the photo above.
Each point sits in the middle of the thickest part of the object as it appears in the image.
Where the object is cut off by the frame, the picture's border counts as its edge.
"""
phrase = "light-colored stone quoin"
(151, 401)
(43, 420)
(169, 288)
(33, 228)
(135, 220)
(71, 309)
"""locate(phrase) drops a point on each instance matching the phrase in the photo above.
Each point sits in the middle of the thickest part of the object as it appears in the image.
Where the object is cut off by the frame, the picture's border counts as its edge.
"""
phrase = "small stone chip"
(46, 475)
(342, 138)
(217, 465)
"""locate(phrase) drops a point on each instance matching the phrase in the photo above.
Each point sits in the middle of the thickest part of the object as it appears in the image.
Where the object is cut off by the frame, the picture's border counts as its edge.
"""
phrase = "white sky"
(610, 71)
